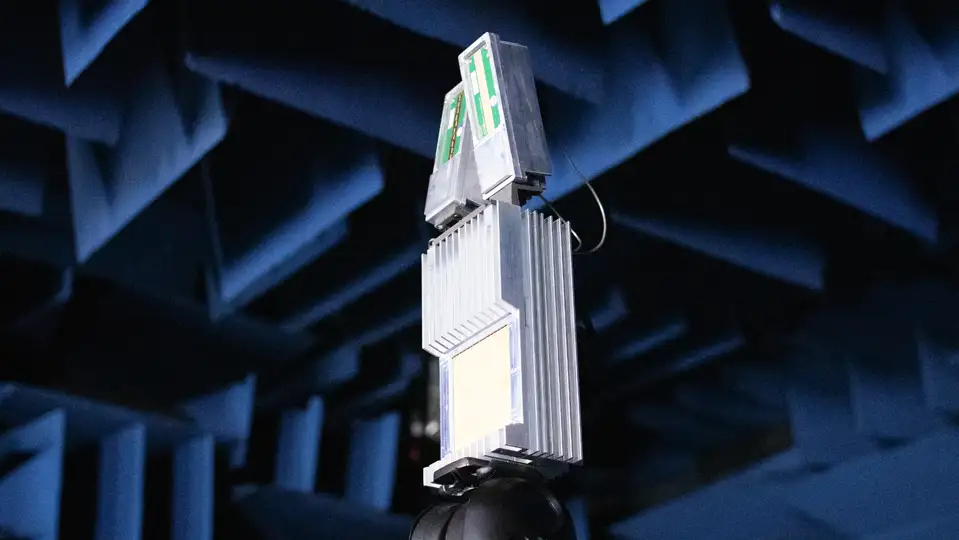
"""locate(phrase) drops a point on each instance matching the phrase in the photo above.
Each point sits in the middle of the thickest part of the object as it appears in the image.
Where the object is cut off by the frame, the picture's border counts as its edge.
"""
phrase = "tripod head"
(494, 501)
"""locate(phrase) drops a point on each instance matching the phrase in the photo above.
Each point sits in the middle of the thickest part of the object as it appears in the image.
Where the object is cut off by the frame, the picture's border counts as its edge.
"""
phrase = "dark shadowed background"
(211, 223)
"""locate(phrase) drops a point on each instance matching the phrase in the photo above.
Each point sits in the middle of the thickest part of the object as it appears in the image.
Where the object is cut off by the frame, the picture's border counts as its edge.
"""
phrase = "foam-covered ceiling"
(211, 224)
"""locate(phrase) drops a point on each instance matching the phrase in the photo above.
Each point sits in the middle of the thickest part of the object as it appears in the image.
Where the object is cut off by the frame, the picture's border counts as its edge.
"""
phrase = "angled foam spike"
(298, 447)
(329, 370)
(227, 414)
(372, 279)
(411, 365)
(30, 490)
(170, 135)
(578, 510)
(24, 184)
(371, 470)
(650, 93)
(84, 35)
(885, 378)
(278, 513)
(840, 164)
(33, 88)
(665, 462)
(692, 357)
(42, 230)
(571, 69)
(922, 72)
(820, 409)
(193, 489)
(90, 421)
(680, 426)
(650, 339)
(934, 529)
(729, 408)
(762, 384)
(325, 86)
(750, 504)
(787, 259)
(855, 40)
(159, 251)
(298, 223)
(907, 483)
(613, 10)
(41, 321)
(611, 311)
(940, 373)
(916, 69)
(888, 398)
(341, 364)
(122, 473)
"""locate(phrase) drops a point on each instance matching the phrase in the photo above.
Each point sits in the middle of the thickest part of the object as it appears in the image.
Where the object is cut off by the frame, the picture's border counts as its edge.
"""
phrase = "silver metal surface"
(454, 186)
(515, 150)
(508, 267)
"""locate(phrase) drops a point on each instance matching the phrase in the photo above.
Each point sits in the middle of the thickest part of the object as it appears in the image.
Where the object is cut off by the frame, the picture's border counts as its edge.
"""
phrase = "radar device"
(498, 312)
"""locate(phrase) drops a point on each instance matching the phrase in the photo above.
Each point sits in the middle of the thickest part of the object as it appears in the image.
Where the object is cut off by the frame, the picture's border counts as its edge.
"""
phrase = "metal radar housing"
(498, 312)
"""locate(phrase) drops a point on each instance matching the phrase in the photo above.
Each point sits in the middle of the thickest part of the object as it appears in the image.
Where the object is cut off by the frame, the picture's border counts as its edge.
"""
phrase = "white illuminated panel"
(480, 393)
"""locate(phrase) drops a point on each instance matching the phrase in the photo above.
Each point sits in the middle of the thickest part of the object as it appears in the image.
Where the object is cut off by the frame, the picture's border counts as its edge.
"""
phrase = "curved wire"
(579, 241)
(599, 203)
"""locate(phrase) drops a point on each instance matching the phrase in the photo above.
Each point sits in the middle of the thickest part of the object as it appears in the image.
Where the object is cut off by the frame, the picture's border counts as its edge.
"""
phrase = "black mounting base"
(493, 500)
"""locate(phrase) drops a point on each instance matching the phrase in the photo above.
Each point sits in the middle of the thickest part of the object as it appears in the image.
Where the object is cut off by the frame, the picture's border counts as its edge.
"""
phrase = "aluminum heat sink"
(498, 312)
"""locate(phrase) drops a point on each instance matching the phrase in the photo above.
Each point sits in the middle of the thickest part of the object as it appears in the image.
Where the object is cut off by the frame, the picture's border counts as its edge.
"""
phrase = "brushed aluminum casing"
(503, 266)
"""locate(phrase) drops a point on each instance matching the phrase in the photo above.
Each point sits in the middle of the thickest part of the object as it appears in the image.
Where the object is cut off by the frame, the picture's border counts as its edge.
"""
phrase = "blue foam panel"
(935, 529)
(40, 229)
(278, 513)
(193, 489)
(411, 366)
(579, 511)
(665, 462)
(40, 322)
(779, 256)
(575, 70)
(886, 490)
(820, 410)
(88, 421)
(651, 90)
(297, 224)
(397, 263)
(854, 39)
(939, 360)
(726, 407)
(86, 29)
(885, 378)
(30, 490)
(310, 88)
(227, 414)
(690, 357)
(763, 384)
(122, 473)
(340, 365)
(173, 120)
(889, 399)
(648, 340)
(917, 65)
(612, 310)
(680, 426)
(746, 506)
(371, 468)
(33, 87)
(838, 163)
(298, 447)
(613, 10)
(329, 370)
